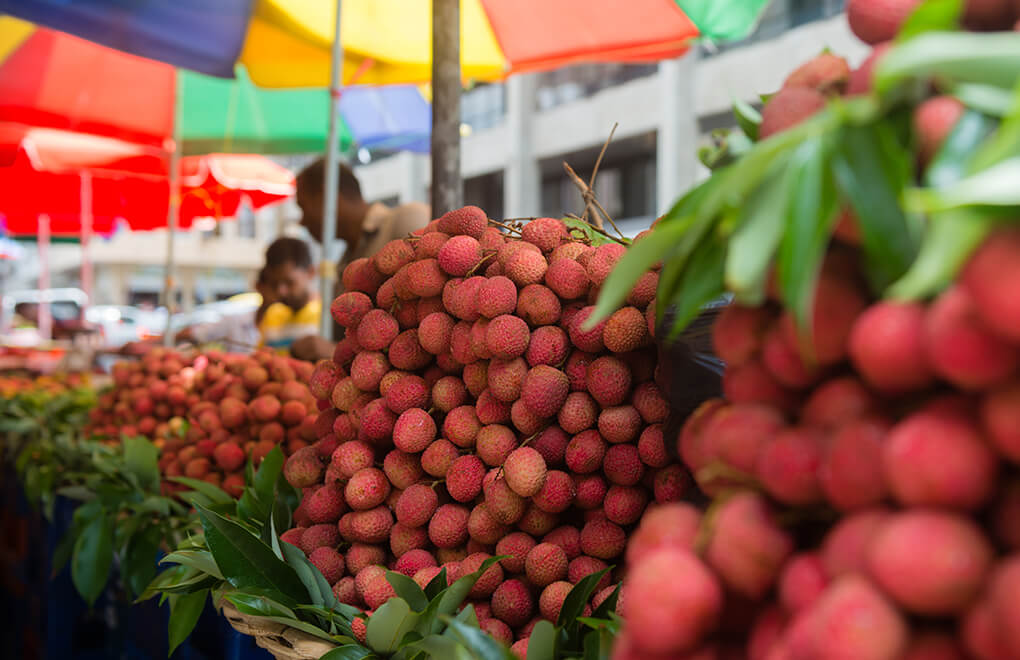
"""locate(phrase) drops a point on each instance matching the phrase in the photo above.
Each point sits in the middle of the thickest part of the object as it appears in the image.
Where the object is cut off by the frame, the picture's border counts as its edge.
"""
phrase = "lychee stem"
(505, 226)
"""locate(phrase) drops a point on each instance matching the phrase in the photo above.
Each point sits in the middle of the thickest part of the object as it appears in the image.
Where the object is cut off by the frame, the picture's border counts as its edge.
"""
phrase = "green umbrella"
(235, 116)
(724, 20)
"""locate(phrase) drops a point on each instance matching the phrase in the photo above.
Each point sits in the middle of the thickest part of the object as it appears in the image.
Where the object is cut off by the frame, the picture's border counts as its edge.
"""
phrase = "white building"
(518, 134)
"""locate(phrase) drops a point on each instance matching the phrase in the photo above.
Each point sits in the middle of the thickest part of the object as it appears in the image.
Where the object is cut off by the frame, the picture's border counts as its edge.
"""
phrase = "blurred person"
(364, 227)
(293, 309)
(238, 332)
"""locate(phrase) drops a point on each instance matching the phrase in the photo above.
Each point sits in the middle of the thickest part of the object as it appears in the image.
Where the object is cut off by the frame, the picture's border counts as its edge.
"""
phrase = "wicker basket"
(284, 642)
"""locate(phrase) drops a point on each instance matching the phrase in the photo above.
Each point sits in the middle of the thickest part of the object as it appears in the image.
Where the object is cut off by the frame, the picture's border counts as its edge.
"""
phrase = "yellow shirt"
(281, 325)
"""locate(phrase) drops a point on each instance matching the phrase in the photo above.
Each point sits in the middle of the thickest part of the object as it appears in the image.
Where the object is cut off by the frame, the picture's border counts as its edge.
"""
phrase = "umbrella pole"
(44, 318)
(327, 267)
(447, 188)
(86, 237)
(171, 214)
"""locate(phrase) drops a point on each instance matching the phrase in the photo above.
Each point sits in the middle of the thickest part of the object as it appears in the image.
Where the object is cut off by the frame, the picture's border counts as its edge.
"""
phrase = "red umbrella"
(46, 171)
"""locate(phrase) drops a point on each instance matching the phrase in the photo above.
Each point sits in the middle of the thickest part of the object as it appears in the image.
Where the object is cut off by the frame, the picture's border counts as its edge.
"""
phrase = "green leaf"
(311, 577)
(809, 219)
(258, 605)
(608, 605)
(139, 565)
(752, 246)
(92, 557)
(872, 169)
(748, 118)
(598, 644)
(214, 493)
(587, 232)
(988, 99)
(141, 458)
(409, 590)
(184, 612)
(636, 261)
(990, 58)
(62, 553)
(480, 644)
(388, 625)
(436, 585)
(949, 240)
(953, 159)
(244, 560)
(451, 598)
(931, 16)
(994, 186)
(265, 477)
(542, 643)
(250, 509)
(348, 652)
(440, 647)
(573, 604)
(304, 626)
(281, 517)
(201, 560)
(701, 282)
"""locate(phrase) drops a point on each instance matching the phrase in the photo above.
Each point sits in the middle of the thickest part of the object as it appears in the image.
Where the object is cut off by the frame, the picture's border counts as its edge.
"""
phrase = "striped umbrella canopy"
(56, 80)
(286, 43)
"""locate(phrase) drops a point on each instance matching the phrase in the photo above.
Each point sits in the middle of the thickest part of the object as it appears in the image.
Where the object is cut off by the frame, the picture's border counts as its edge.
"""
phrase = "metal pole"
(329, 199)
(86, 237)
(171, 215)
(447, 188)
(44, 318)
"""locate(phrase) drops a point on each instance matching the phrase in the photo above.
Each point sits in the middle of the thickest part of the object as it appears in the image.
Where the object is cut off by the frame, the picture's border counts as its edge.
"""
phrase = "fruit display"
(471, 414)
(209, 412)
(861, 464)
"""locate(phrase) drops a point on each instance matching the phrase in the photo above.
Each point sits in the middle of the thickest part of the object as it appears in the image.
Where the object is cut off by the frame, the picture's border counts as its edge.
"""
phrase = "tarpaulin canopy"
(53, 79)
(47, 171)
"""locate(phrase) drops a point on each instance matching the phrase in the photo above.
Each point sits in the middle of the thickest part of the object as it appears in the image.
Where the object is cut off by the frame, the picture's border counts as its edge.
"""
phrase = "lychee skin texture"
(367, 489)
(546, 563)
(548, 345)
(377, 330)
(625, 330)
(350, 307)
(448, 527)
(568, 279)
(1000, 419)
(851, 472)
(824, 73)
(876, 22)
(512, 603)
(503, 503)
(961, 349)
(507, 337)
(416, 505)
(787, 108)
(538, 305)
(326, 504)
(622, 465)
(544, 390)
(608, 380)
(434, 332)
(464, 478)
(544, 233)
(557, 493)
(525, 471)
(603, 260)
(497, 296)
(414, 430)
(673, 601)
(487, 581)
(603, 539)
(943, 580)
(329, 562)
(578, 413)
(526, 267)
(938, 458)
(516, 545)
(584, 338)
(625, 504)
(467, 221)
(991, 277)
(459, 255)
(550, 602)
(585, 452)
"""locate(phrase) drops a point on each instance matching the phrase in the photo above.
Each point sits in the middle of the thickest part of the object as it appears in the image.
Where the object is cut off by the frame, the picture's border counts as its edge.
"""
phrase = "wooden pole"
(331, 182)
(447, 188)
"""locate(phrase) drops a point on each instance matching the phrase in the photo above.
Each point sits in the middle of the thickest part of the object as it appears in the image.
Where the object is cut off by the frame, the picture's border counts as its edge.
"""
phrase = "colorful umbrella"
(286, 43)
(53, 79)
(77, 179)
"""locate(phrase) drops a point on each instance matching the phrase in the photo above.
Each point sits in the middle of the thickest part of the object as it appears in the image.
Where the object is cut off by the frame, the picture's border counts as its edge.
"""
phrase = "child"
(294, 309)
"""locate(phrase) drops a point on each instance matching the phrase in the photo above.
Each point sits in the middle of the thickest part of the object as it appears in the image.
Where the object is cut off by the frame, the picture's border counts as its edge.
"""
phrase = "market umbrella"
(287, 43)
(53, 79)
(71, 177)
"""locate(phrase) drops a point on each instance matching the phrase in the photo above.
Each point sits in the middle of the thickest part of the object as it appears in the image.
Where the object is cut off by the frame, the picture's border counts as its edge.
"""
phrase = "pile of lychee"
(209, 412)
(862, 469)
(473, 414)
